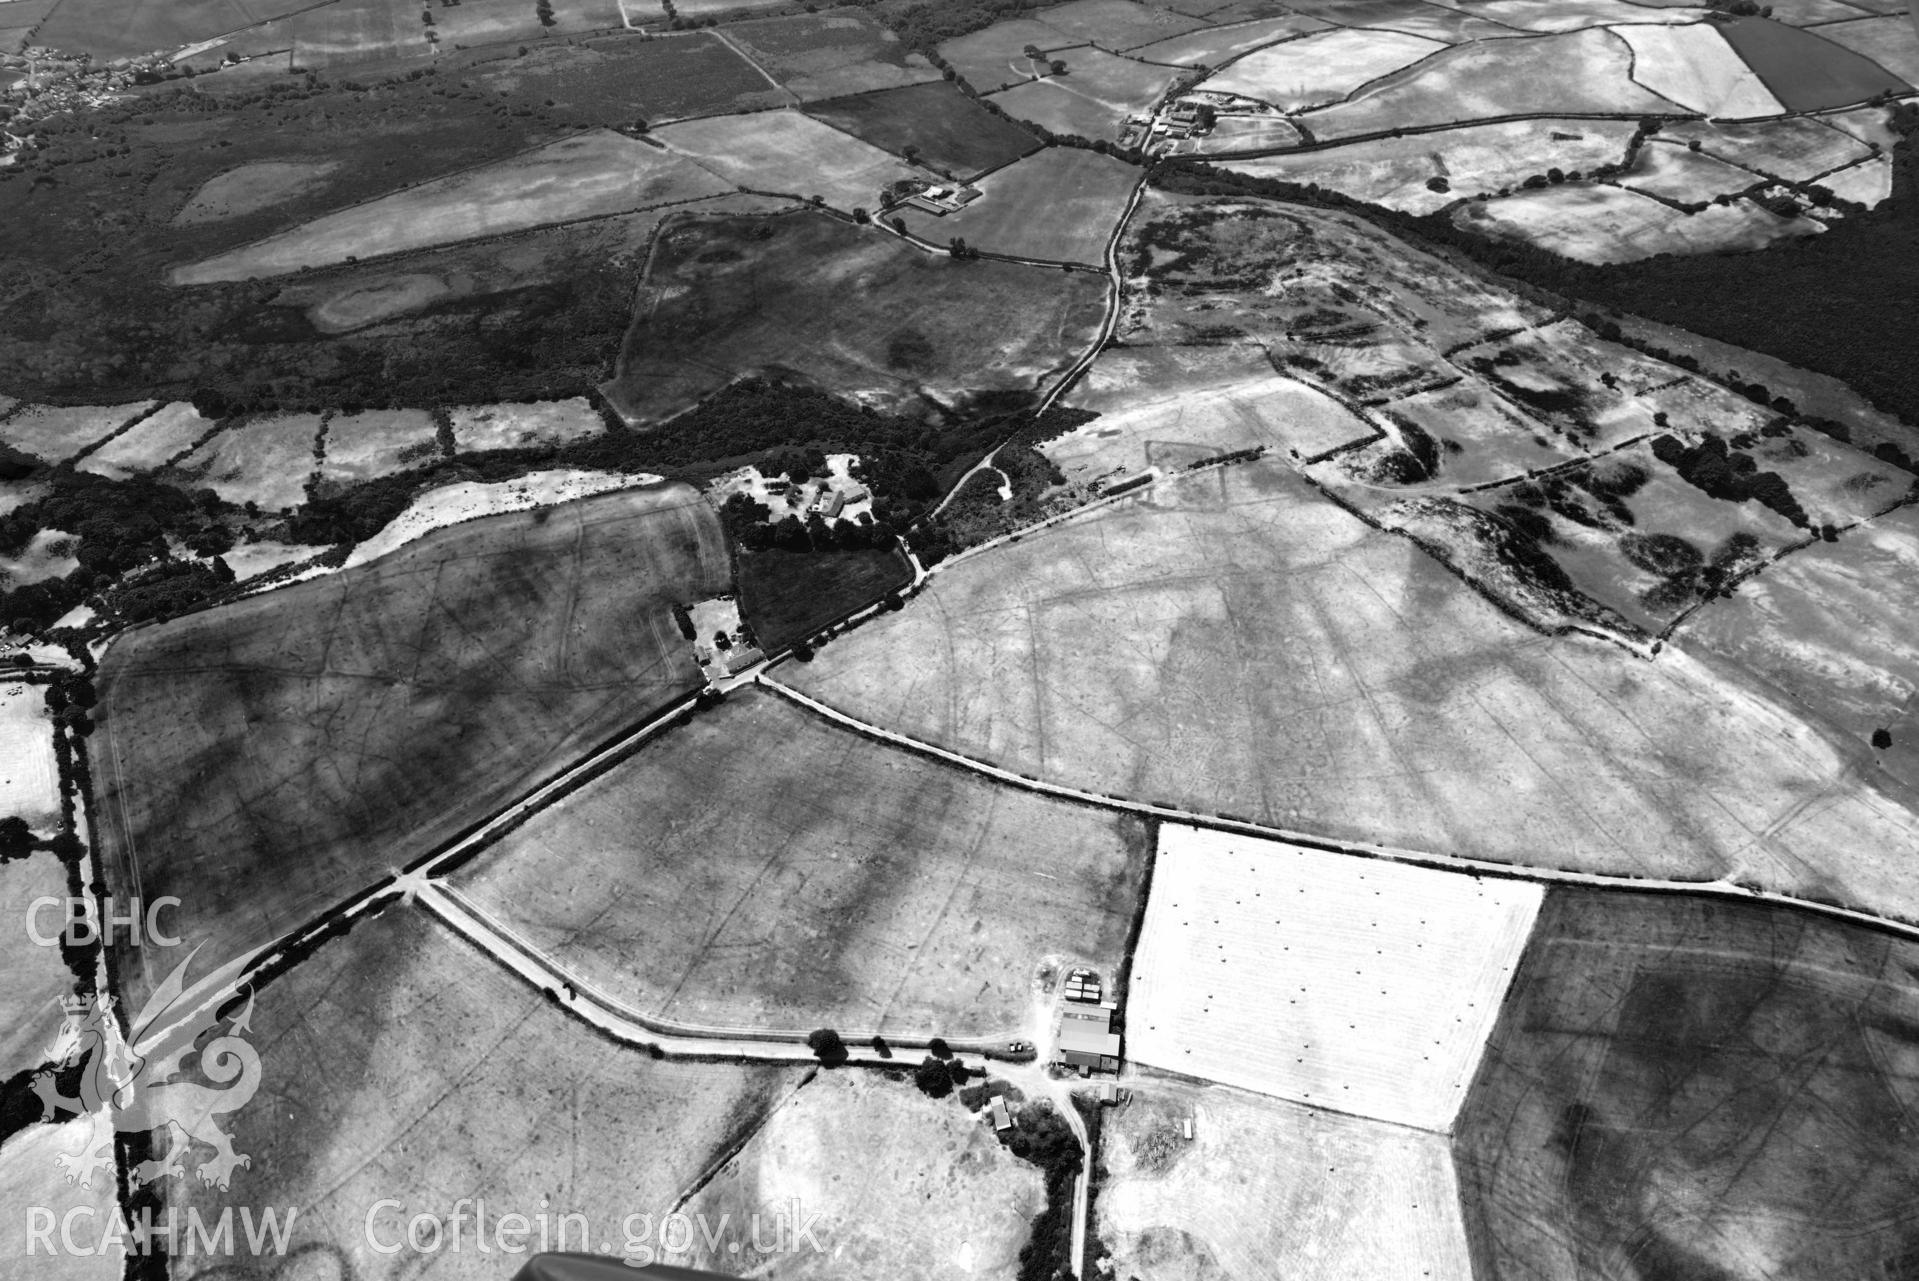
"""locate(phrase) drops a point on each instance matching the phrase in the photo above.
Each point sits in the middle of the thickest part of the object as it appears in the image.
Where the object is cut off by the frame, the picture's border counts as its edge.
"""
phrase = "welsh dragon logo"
(132, 1079)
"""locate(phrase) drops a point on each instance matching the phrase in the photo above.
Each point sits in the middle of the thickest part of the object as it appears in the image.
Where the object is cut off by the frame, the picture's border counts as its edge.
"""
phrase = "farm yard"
(828, 55)
(1603, 224)
(1384, 985)
(349, 723)
(950, 132)
(787, 153)
(869, 1155)
(1059, 205)
(1661, 1077)
(400, 1063)
(705, 881)
(769, 292)
(589, 175)
(1269, 1191)
(1285, 662)
(149, 444)
(264, 463)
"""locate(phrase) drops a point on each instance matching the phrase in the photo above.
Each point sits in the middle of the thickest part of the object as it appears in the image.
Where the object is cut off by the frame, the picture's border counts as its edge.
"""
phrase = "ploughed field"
(270, 758)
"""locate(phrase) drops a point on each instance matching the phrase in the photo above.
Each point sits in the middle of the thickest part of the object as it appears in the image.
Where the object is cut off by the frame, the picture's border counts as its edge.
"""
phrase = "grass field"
(787, 597)
(789, 154)
(1212, 46)
(1666, 1079)
(357, 31)
(1115, 24)
(1386, 982)
(827, 55)
(675, 77)
(151, 443)
(1603, 224)
(764, 868)
(1826, 628)
(952, 133)
(29, 785)
(30, 1178)
(1093, 98)
(482, 427)
(483, 22)
(1286, 662)
(55, 433)
(995, 57)
(589, 175)
(1057, 205)
(1794, 149)
(1688, 177)
(1695, 67)
(265, 462)
(728, 296)
(401, 1064)
(377, 442)
(253, 187)
(869, 1154)
(1891, 42)
(1474, 160)
(345, 725)
(37, 977)
(1807, 72)
(1805, 13)
(1583, 72)
(1322, 68)
(1271, 1191)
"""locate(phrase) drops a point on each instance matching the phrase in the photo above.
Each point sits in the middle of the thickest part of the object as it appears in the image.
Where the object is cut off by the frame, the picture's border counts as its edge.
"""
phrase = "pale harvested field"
(1261, 652)
(1688, 177)
(361, 447)
(589, 175)
(1212, 46)
(1892, 42)
(29, 783)
(30, 1176)
(1175, 428)
(787, 153)
(1795, 149)
(54, 433)
(762, 867)
(1093, 99)
(1603, 224)
(1359, 985)
(152, 442)
(266, 461)
(251, 188)
(1056, 205)
(37, 977)
(1829, 628)
(1579, 72)
(508, 426)
(1321, 68)
(401, 1063)
(1115, 24)
(1271, 1191)
(450, 505)
(1695, 67)
(249, 560)
(1868, 182)
(1394, 172)
(906, 1187)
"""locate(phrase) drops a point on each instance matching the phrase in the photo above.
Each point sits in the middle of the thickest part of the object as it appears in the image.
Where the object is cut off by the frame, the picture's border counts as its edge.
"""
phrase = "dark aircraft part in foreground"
(603, 1267)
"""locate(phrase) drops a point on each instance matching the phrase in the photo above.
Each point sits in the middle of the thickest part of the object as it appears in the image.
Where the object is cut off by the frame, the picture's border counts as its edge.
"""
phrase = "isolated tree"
(933, 1078)
(1057, 66)
(1881, 739)
(16, 838)
(1438, 183)
(880, 1047)
(938, 1048)
(827, 1046)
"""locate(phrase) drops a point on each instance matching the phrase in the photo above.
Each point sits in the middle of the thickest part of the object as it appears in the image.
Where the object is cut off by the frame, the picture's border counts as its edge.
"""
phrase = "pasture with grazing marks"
(1666, 1077)
(376, 442)
(951, 132)
(253, 187)
(1808, 72)
(1286, 662)
(1396, 172)
(549, 422)
(350, 723)
(1270, 1191)
(729, 296)
(151, 443)
(265, 462)
(1604, 224)
(1583, 72)
(1057, 205)
(826, 55)
(589, 175)
(1795, 149)
(1093, 98)
(401, 1063)
(1321, 68)
(762, 867)
(789, 154)
(55, 433)
(1212, 46)
(1695, 67)
(1354, 984)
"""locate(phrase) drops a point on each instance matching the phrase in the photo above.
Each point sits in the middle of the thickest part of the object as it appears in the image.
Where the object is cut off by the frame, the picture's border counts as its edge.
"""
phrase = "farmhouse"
(1087, 1040)
(829, 504)
(942, 200)
(1002, 1120)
